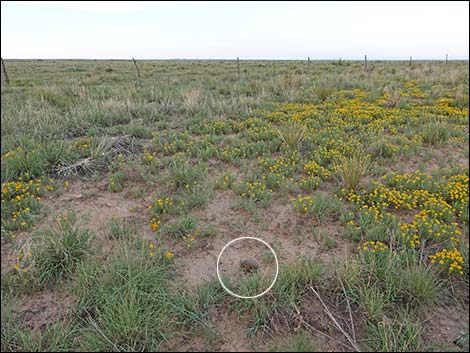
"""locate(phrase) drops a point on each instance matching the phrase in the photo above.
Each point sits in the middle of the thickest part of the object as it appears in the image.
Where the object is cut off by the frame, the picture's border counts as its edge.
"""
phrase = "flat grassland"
(119, 192)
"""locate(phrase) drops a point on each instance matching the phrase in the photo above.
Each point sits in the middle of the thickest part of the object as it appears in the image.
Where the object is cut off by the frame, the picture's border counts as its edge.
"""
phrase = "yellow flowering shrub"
(372, 246)
(449, 260)
(161, 205)
(21, 201)
(154, 224)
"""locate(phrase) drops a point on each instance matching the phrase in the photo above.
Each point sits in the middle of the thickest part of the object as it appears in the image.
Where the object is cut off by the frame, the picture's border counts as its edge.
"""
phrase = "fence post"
(410, 60)
(365, 62)
(447, 59)
(308, 61)
(136, 68)
(238, 68)
(5, 73)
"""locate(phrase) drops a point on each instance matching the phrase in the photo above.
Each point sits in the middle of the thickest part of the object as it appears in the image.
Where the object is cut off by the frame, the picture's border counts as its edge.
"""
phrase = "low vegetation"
(117, 193)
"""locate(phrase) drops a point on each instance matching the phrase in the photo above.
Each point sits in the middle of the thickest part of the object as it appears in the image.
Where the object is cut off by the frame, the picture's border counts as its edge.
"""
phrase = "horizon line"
(236, 58)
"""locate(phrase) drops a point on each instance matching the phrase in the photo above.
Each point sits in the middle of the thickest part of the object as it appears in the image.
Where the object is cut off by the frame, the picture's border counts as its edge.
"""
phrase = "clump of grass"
(65, 246)
(399, 335)
(53, 96)
(291, 286)
(121, 228)
(393, 98)
(373, 301)
(131, 305)
(183, 174)
(8, 334)
(126, 307)
(193, 100)
(292, 133)
(24, 164)
(255, 191)
(421, 286)
(322, 91)
(382, 148)
(388, 290)
(320, 207)
(195, 197)
(295, 278)
(328, 243)
(435, 133)
(116, 181)
(180, 228)
(461, 99)
(353, 171)
(98, 150)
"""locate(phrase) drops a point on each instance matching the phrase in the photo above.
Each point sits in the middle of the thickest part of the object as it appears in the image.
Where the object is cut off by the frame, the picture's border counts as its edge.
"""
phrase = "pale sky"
(225, 30)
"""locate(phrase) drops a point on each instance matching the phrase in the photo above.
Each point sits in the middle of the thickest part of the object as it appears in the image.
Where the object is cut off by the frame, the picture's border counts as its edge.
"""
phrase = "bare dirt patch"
(290, 236)
(8, 257)
(441, 157)
(231, 331)
(41, 309)
(94, 207)
(445, 324)
(92, 203)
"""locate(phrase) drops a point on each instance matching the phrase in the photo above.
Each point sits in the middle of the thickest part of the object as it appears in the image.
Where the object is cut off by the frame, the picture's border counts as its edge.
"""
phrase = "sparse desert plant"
(420, 286)
(382, 148)
(65, 246)
(319, 206)
(373, 301)
(392, 96)
(23, 164)
(116, 181)
(192, 100)
(255, 191)
(298, 275)
(180, 228)
(435, 133)
(97, 151)
(184, 174)
(161, 205)
(292, 133)
(399, 335)
(353, 171)
(122, 228)
(322, 91)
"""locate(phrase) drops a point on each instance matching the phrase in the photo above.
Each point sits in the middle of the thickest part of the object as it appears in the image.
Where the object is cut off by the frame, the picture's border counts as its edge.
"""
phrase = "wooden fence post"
(447, 59)
(308, 61)
(410, 60)
(136, 68)
(238, 68)
(5, 73)
(365, 62)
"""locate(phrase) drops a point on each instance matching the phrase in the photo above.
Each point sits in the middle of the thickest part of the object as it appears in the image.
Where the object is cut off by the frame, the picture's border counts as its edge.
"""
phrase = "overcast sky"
(250, 30)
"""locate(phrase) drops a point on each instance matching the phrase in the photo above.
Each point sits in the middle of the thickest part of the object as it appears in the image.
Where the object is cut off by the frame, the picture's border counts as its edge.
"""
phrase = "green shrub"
(65, 246)
(435, 133)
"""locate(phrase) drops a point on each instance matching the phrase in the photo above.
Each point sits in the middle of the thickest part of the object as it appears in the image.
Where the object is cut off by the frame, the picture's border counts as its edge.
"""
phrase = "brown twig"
(305, 323)
(328, 312)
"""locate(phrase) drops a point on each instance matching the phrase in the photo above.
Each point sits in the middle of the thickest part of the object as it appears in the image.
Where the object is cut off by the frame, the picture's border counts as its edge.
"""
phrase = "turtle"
(249, 265)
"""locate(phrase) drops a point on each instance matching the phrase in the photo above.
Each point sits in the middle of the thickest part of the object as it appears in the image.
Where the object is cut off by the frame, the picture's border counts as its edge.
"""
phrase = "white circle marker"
(242, 296)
